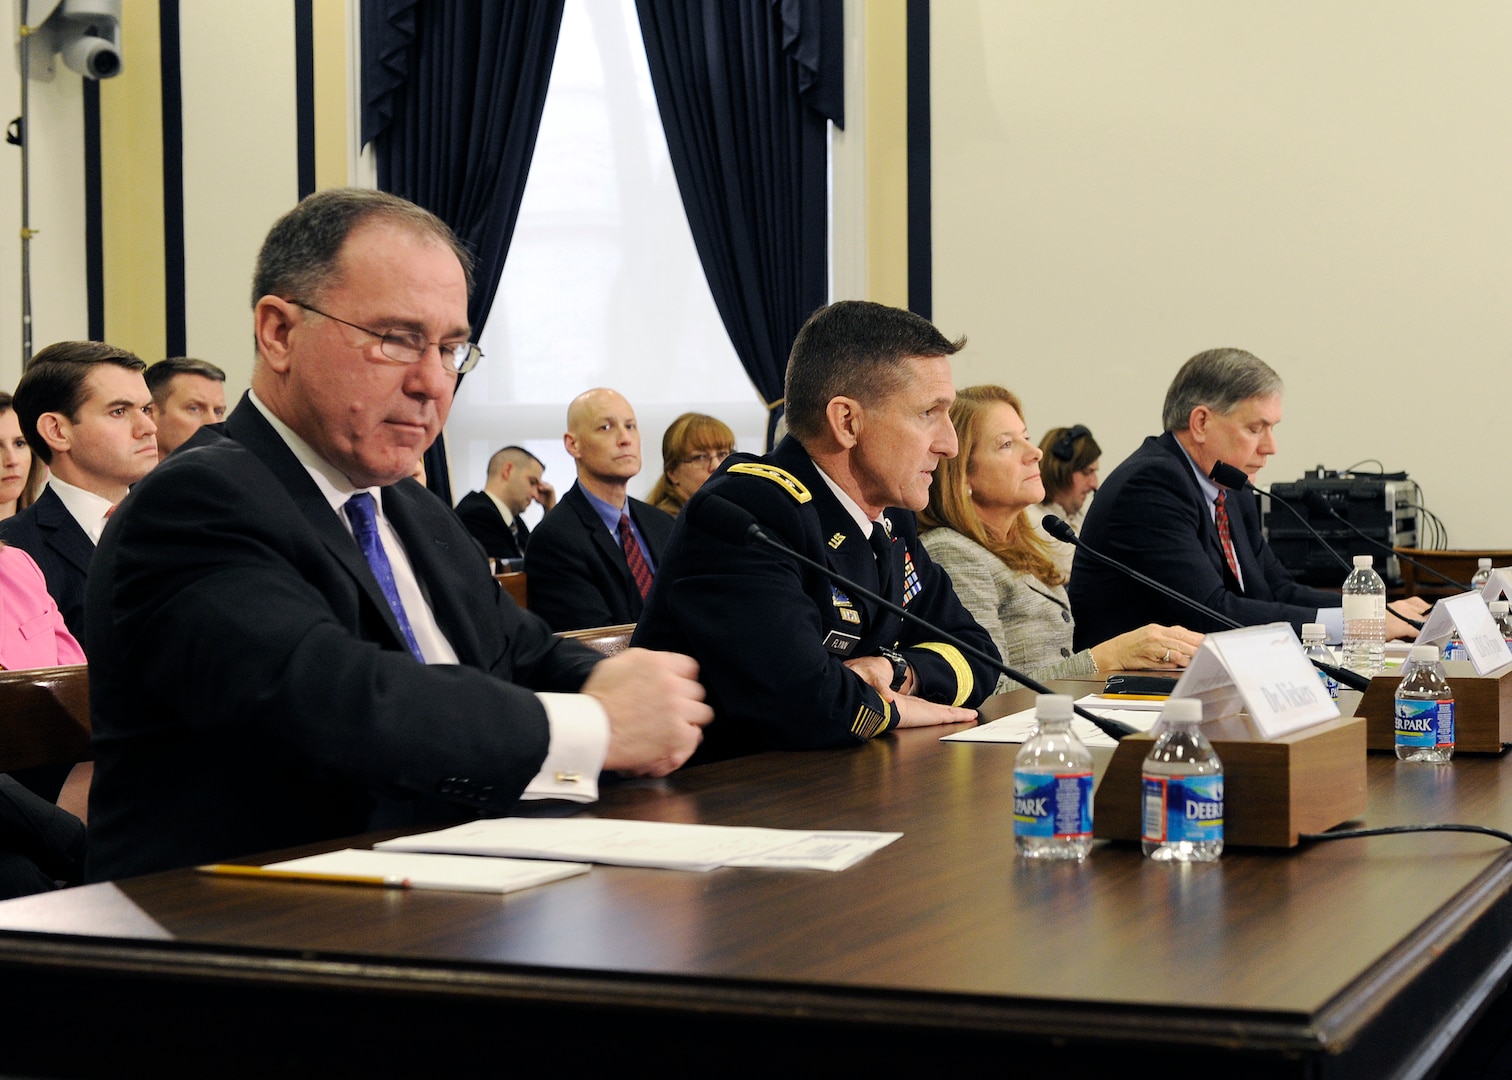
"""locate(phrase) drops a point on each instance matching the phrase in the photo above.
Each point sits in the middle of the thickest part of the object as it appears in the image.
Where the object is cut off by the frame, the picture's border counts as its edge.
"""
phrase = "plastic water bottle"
(1482, 574)
(1052, 787)
(1501, 611)
(1364, 618)
(1183, 789)
(1424, 709)
(1314, 639)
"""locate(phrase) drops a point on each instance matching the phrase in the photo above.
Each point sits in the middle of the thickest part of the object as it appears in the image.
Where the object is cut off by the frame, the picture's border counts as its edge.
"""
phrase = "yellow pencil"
(233, 870)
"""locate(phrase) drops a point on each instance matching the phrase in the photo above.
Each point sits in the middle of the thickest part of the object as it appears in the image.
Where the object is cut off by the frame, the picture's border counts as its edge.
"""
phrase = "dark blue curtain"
(452, 93)
(744, 88)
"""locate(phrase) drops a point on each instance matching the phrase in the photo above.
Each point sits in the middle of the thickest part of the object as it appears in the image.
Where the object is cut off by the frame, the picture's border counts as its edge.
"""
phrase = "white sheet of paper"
(821, 851)
(1018, 726)
(615, 842)
(1267, 671)
(449, 872)
(1484, 643)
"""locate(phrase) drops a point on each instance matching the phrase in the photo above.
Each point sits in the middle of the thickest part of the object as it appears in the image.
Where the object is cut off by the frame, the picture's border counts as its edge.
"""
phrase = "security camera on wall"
(86, 32)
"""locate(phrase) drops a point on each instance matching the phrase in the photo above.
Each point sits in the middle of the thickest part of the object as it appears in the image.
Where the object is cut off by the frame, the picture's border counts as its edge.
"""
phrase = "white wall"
(241, 169)
(60, 308)
(1118, 186)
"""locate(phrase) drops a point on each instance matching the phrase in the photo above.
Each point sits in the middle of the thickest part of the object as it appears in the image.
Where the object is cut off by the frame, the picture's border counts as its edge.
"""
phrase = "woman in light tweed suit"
(976, 529)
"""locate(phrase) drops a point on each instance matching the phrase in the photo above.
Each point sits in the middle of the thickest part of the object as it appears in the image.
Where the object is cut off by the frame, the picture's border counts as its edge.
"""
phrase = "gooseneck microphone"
(1230, 477)
(1237, 479)
(1316, 500)
(1064, 533)
(721, 518)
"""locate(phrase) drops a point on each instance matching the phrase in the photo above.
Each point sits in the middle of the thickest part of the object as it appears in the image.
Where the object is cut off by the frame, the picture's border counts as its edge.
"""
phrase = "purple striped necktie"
(360, 512)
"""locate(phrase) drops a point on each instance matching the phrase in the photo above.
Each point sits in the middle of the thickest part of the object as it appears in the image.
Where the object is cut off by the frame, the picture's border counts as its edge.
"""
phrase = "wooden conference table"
(940, 952)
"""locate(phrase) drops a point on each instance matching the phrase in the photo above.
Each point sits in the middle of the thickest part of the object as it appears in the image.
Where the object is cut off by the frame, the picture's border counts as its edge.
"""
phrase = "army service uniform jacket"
(771, 636)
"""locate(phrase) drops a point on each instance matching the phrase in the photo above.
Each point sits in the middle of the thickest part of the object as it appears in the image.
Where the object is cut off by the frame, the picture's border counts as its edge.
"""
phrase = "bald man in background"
(591, 560)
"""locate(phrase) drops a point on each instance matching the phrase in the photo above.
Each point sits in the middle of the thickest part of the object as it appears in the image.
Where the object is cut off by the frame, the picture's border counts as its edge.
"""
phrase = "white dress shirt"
(88, 509)
(579, 725)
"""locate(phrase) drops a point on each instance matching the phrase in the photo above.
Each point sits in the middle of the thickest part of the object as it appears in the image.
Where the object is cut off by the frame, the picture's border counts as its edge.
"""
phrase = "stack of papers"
(398, 869)
(661, 844)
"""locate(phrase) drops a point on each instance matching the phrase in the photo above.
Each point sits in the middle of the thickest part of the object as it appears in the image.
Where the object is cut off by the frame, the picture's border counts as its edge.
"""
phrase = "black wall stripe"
(304, 92)
(173, 181)
(920, 229)
(94, 214)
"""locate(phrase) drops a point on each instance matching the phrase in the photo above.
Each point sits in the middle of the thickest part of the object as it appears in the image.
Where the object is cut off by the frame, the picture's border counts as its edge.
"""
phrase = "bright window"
(602, 286)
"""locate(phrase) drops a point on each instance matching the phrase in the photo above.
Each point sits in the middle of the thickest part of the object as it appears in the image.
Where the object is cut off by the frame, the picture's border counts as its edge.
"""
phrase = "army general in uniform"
(790, 659)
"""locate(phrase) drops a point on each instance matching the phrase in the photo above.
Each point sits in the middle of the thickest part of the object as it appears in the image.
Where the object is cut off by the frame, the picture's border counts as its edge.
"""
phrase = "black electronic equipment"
(1379, 505)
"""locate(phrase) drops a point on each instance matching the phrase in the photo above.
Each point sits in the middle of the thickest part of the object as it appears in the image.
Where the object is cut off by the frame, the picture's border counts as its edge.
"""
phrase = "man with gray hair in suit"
(1162, 513)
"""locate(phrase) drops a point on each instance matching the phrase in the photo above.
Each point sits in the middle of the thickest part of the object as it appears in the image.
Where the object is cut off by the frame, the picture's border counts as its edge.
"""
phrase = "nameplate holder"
(1498, 586)
(1262, 671)
(1469, 617)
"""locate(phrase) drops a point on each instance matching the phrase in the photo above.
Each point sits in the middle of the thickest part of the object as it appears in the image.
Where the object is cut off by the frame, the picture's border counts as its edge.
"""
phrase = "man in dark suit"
(494, 515)
(298, 642)
(187, 394)
(592, 559)
(1160, 513)
(790, 659)
(85, 411)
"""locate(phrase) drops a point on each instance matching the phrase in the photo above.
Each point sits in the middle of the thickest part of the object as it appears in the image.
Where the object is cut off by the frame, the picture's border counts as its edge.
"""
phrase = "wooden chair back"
(608, 640)
(514, 585)
(44, 717)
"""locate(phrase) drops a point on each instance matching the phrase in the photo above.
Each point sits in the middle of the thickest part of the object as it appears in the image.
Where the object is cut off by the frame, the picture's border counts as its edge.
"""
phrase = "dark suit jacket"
(1151, 514)
(576, 569)
(771, 637)
(486, 524)
(47, 532)
(250, 689)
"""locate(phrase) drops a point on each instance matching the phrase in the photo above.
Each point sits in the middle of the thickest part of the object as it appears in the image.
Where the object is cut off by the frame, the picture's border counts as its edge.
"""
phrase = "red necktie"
(1221, 518)
(638, 568)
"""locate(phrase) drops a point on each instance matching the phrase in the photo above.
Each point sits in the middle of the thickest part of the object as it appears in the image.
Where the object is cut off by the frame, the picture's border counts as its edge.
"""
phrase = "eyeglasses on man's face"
(408, 347)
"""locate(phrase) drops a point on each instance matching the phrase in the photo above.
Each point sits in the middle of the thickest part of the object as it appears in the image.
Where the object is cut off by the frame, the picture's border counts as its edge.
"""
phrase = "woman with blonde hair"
(693, 446)
(1001, 567)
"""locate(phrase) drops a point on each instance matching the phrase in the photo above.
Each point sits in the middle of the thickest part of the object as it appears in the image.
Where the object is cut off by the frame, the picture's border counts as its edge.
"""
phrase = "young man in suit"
(297, 642)
(493, 515)
(1161, 513)
(592, 559)
(791, 659)
(86, 412)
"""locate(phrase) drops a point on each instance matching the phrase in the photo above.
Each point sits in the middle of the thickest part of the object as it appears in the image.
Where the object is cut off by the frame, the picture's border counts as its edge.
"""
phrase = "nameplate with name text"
(1263, 671)
(1484, 644)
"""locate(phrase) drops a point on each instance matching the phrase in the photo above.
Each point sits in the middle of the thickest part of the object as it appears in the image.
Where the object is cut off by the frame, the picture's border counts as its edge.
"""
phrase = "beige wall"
(59, 307)
(1118, 186)
(239, 165)
(1115, 187)
(241, 169)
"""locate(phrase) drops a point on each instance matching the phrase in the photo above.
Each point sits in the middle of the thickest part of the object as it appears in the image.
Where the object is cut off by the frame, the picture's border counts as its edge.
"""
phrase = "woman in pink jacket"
(32, 633)
(41, 845)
